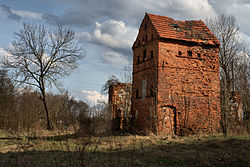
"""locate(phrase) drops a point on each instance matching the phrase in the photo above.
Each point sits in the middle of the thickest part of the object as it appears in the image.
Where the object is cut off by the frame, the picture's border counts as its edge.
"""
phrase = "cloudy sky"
(107, 30)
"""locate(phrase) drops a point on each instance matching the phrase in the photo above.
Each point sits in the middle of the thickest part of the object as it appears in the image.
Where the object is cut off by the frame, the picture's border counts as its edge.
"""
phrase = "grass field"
(45, 148)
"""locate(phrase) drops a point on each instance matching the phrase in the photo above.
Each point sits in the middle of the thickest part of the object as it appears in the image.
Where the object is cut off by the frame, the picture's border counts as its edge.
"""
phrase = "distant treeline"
(23, 109)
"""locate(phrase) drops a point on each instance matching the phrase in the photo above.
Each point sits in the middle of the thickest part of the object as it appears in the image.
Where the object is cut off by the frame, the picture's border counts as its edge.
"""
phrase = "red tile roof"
(192, 30)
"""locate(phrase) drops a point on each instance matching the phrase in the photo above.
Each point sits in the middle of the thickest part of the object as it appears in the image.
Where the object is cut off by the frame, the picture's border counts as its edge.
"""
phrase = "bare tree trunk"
(49, 127)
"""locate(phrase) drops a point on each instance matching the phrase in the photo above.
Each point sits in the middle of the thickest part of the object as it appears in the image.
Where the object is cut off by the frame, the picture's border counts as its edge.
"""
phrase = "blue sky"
(107, 30)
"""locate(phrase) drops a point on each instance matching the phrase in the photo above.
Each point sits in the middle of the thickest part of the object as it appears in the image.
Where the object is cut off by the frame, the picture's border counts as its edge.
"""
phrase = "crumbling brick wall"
(120, 105)
(175, 81)
(190, 84)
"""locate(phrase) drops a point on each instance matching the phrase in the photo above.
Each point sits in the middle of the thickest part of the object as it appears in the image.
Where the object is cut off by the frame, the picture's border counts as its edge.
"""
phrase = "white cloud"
(200, 8)
(115, 59)
(114, 38)
(188, 9)
(92, 97)
(27, 14)
(112, 34)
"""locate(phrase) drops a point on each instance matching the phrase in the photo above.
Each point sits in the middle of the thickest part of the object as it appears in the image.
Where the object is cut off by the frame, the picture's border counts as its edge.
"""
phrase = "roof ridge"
(173, 18)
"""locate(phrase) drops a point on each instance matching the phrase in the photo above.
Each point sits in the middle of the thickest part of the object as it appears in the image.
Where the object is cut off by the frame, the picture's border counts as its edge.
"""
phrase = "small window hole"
(144, 55)
(137, 93)
(151, 91)
(199, 55)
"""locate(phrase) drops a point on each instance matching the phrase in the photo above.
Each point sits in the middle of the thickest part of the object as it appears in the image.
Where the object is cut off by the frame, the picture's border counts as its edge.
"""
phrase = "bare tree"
(112, 80)
(232, 52)
(40, 57)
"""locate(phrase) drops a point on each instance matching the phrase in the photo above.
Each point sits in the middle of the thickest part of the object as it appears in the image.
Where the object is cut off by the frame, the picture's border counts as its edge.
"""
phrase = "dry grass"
(46, 148)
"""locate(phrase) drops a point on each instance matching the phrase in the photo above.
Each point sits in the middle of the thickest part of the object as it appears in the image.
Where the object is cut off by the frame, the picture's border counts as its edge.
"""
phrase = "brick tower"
(175, 87)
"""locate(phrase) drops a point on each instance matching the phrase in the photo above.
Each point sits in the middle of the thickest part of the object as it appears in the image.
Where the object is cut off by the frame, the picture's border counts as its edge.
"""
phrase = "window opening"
(145, 26)
(199, 55)
(144, 86)
(189, 53)
(151, 91)
(179, 53)
(137, 94)
(175, 25)
(144, 55)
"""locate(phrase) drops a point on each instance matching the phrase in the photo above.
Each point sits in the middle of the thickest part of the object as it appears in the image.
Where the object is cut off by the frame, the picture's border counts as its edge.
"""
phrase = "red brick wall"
(143, 109)
(190, 84)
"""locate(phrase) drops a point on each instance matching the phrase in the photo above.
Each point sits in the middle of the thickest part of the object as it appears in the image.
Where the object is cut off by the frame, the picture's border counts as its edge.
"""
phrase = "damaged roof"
(191, 30)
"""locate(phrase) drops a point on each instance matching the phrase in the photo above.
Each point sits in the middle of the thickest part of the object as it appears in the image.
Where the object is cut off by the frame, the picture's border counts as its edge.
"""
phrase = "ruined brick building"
(235, 114)
(120, 105)
(175, 77)
(175, 87)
